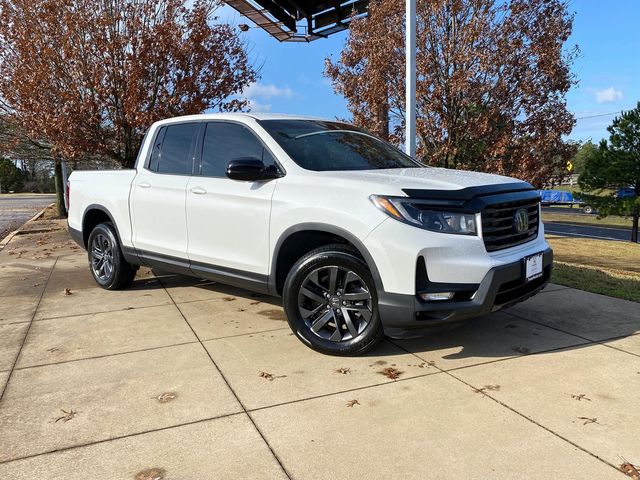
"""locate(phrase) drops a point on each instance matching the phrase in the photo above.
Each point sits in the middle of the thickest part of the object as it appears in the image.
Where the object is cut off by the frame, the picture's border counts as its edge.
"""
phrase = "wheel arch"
(95, 214)
(321, 234)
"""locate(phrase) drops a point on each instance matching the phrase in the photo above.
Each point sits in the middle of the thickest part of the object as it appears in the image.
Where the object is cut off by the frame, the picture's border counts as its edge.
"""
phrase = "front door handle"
(198, 190)
(144, 185)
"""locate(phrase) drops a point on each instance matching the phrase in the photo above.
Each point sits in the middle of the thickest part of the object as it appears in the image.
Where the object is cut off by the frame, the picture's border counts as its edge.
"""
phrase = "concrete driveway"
(180, 379)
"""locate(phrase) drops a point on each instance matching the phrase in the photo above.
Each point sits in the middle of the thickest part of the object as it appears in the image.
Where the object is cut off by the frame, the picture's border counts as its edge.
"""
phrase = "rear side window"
(224, 142)
(172, 149)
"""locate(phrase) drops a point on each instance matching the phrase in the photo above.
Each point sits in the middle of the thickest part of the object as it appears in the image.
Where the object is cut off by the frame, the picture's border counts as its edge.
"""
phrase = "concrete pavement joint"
(120, 437)
(226, 381)
(24, 339)
(599, 342)
(159, 347)
(508, 407)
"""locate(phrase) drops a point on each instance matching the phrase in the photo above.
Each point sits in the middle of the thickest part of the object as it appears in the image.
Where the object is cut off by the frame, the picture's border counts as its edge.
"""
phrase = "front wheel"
(109, 268)
(588, 209)
(331, 302)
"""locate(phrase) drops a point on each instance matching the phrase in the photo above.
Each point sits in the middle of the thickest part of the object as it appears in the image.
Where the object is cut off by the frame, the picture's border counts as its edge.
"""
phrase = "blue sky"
(608, 69)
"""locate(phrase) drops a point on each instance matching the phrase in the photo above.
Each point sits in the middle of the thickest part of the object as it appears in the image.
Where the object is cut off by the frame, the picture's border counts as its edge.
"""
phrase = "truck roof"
(228, 116)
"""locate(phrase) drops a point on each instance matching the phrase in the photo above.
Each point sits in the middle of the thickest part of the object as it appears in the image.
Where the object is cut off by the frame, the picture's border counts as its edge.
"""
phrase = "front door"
(228, 220)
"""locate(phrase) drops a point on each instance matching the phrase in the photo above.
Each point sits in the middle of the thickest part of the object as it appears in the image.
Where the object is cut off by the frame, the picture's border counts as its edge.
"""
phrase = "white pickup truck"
(358, 238)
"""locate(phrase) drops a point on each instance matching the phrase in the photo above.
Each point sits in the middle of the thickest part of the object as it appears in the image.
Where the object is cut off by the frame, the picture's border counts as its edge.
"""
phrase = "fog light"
(437, 296)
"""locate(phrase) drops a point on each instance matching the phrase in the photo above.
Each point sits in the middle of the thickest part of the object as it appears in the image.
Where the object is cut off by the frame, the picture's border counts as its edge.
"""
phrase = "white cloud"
(607, 95)
(258, 107)
(266, 91)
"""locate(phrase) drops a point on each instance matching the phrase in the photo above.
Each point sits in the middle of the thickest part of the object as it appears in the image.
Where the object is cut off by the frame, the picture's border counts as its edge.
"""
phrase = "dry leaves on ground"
(67, 291)
(166, 397)
(588, 420)
(151, 474)
(491, 388)
(342, 370)
(391, 373)
(631, 470)
(269, 376)
(580, 396)
(351, 403)
(68, 415)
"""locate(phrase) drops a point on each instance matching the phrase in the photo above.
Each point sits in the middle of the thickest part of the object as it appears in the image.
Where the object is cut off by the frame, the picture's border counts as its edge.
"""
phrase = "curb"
(5, 241)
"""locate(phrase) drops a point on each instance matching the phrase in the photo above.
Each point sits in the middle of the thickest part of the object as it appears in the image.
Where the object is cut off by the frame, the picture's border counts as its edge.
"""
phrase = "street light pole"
(410, 48)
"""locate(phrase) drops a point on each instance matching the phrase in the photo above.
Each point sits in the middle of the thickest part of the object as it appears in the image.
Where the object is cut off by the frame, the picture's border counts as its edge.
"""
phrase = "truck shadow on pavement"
(562, 318)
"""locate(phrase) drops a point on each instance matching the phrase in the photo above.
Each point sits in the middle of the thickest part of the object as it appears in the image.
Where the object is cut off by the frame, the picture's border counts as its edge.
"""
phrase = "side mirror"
(250, 170)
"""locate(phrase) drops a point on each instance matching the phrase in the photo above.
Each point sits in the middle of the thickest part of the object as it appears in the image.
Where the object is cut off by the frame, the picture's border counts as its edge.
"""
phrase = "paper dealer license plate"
(533, 267)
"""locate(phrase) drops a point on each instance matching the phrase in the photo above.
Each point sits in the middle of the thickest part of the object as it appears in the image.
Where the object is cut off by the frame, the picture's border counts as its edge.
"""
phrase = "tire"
(588, 209)
(116, 272)
(339, 318)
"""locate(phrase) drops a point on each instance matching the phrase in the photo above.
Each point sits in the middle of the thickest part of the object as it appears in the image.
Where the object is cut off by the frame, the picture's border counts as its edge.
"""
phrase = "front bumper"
(404, 316)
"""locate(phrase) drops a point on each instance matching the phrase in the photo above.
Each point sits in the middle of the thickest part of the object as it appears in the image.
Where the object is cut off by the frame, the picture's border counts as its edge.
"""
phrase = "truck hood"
(394, 180)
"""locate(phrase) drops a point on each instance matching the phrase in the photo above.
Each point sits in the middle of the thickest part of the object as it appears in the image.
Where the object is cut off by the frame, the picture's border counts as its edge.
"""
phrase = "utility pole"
(410, 48)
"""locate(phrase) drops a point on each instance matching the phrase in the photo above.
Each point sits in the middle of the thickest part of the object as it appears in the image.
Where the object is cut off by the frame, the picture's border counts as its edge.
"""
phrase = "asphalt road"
(17, 209)
(587, 231)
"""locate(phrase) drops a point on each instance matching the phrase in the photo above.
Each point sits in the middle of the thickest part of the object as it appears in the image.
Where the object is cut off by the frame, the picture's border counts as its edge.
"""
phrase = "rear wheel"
(587, 209)
(331, 302)
(107, 264)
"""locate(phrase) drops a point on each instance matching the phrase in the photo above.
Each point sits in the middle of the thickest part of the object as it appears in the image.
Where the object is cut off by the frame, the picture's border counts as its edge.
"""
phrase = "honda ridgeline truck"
(357, 238)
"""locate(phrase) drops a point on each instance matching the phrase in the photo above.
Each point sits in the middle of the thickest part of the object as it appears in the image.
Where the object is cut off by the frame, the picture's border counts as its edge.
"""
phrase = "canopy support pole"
(410, 49)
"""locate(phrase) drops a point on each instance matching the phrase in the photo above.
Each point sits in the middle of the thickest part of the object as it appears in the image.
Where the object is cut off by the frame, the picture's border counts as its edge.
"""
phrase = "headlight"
(420, 214)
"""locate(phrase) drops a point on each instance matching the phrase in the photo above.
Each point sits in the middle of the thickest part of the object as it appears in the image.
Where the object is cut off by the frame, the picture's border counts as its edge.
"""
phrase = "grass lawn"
(597, 281)
(599, 266)
(615, 222)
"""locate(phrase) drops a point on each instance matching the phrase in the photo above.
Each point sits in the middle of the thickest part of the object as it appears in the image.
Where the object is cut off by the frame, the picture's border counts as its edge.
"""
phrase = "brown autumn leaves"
(90, 76)
(492, 79)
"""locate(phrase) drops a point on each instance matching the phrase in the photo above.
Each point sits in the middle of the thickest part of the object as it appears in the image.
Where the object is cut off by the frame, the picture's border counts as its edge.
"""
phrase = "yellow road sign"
(569, 166)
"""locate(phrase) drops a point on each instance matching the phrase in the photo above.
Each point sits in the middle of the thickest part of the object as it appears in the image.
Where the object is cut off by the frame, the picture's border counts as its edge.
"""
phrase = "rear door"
(159, 193)
(228, 220)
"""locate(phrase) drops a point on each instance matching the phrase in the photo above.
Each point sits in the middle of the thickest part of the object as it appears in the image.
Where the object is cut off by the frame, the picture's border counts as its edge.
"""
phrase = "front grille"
(498, 229)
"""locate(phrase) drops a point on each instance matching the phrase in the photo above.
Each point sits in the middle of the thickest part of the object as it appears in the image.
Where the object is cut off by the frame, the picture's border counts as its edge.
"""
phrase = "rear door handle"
(198, 190)
(144, 185)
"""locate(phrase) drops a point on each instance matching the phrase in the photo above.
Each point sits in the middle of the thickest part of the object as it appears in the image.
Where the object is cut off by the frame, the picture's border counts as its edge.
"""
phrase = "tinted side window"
(176, 148)
(224, 142)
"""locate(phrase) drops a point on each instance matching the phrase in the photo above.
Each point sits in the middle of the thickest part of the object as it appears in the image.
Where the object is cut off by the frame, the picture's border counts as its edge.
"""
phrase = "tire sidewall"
(107, 230)
(292, 286)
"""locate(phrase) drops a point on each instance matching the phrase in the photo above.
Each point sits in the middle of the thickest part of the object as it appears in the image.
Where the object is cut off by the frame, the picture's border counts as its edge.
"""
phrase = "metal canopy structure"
(300, 20)
(308, 20)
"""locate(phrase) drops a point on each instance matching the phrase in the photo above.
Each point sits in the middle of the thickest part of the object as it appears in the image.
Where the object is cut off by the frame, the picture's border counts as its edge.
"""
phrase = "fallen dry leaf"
(151, 474)
(588, 420)
(258, 302)
(229, 299)
(71, 414)
(391, 373)
(269, 376)
(351, 403)
(342, 370)
(36, 284)
(580, 396)
(166, 397)
(67, 291)
(522, 349)
(492, 388)
(630, 470)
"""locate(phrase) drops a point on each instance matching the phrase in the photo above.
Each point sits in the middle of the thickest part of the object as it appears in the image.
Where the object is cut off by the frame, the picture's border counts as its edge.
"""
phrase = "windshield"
(328, 146)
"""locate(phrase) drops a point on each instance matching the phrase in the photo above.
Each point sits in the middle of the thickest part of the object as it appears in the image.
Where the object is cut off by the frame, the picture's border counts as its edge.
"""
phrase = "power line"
(600, 115)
